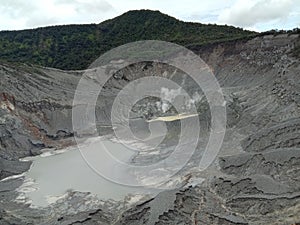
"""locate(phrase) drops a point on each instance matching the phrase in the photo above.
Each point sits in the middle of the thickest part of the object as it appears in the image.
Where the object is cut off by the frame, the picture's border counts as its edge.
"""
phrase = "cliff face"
(35, 111)
(258, 167)
(255, 179)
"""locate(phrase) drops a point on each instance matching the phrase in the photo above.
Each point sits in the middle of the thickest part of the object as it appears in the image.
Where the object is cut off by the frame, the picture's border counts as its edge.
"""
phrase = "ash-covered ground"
(254, 179)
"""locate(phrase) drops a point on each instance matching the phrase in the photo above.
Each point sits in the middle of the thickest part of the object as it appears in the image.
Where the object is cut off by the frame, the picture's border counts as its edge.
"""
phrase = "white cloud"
(19, 14)
(249, 13)
(257, 14)
(38, 20)
(90, 6)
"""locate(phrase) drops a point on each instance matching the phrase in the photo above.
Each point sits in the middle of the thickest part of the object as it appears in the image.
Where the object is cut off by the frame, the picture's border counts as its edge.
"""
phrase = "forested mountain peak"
(72, 47)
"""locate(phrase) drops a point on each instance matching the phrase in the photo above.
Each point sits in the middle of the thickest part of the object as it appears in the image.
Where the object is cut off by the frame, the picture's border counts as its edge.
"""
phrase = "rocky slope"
(254, 180)
(35, 109)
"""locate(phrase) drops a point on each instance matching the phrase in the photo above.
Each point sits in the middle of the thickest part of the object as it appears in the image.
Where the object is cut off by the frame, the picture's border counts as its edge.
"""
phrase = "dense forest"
(76, 46)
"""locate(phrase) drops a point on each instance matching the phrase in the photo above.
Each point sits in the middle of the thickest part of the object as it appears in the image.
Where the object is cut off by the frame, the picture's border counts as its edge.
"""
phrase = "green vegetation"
(277, 32)
(76, 46)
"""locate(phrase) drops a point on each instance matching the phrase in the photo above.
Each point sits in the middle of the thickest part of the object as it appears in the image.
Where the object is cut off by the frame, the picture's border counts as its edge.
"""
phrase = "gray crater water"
(53, 175)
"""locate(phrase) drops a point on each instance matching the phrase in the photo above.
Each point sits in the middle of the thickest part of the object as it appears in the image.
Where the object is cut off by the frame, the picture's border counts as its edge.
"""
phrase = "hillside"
(254, 179)
(76, 46)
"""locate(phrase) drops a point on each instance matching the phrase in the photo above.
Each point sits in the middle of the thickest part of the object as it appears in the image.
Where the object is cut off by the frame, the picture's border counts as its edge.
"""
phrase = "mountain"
(73, 47)
(254, 179)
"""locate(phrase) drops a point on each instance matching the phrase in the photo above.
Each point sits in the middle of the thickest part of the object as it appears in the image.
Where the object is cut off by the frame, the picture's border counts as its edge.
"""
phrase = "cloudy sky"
(259, 15)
